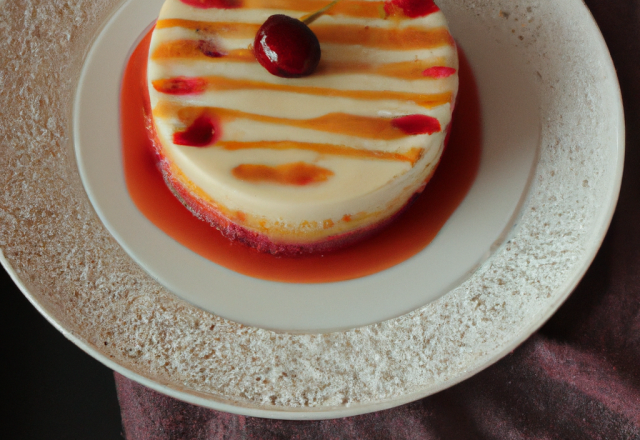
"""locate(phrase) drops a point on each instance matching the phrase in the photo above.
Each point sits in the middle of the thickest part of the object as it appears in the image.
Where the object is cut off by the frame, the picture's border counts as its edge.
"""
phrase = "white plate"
(477, 227)
(541, 65)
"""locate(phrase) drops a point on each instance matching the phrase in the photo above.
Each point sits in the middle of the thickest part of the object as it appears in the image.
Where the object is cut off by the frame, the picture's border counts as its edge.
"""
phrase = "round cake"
(298, 165)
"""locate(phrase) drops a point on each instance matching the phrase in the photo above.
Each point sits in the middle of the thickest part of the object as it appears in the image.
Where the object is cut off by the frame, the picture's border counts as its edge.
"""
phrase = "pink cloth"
(576, 378)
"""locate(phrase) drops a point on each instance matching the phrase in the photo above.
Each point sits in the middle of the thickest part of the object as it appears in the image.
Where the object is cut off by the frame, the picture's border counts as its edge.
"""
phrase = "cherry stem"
(310, 18)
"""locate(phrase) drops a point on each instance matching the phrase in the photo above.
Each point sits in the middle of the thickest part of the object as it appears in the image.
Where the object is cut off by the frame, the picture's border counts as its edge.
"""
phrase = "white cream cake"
(309, 164)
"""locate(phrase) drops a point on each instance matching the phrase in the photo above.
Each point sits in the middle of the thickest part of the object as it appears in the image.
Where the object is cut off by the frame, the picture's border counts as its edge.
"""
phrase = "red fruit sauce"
(202, 132)
(439, 72)
(417, 124)
(405, 237)
(411, 8)
(183, 86)
(208, 4)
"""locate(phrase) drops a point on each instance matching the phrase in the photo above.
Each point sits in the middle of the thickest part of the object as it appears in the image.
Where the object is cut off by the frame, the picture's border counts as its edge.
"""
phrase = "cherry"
(286, 47)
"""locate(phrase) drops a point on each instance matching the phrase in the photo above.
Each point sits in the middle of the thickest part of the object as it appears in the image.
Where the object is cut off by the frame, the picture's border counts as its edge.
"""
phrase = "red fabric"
(577, 378)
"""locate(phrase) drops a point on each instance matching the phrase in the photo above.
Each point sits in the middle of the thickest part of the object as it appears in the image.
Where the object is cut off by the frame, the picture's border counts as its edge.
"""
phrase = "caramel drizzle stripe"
(297, 173)
(221, 83)
(391, 39)
(394, 39)
(352, 8)
(332, 122)
(407, 70)
(191, 50)
(338, 123)
(223, 29)
(412, 155)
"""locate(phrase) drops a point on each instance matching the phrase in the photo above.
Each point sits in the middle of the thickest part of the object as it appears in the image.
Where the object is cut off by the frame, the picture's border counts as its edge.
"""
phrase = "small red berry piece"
(417, 124)
(208, 4)
(286, 47)
(180, 85)
(439, 72)
(410, 8)
(202, 132)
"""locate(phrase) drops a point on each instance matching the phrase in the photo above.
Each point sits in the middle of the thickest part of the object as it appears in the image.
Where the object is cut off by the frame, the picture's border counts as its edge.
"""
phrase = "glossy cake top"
(361, 134)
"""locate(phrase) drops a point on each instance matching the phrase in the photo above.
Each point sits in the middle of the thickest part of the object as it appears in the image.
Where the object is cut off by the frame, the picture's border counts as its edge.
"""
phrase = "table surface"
(54, 390)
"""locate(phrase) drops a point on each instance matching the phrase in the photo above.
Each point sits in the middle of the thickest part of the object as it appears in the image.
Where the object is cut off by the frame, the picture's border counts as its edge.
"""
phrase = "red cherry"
(286, 47)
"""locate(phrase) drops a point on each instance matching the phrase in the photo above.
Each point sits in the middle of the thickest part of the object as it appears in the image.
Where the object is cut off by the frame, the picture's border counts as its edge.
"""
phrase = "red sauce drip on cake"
(201, 133)
(298, 173)
(439, 72)
(411, 8)
(417, 124)
(406, 236)
(183, 86)
(208, 4)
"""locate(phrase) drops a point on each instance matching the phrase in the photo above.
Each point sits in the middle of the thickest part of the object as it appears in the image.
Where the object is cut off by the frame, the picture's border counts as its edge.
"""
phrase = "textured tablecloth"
(576, 378)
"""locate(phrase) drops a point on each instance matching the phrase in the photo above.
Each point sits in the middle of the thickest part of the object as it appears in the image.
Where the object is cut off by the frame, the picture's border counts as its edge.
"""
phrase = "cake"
(299, 165)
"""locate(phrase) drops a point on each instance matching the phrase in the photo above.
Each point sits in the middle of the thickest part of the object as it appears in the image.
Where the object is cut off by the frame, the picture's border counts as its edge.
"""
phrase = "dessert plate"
(510, 255)
(479, 225)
